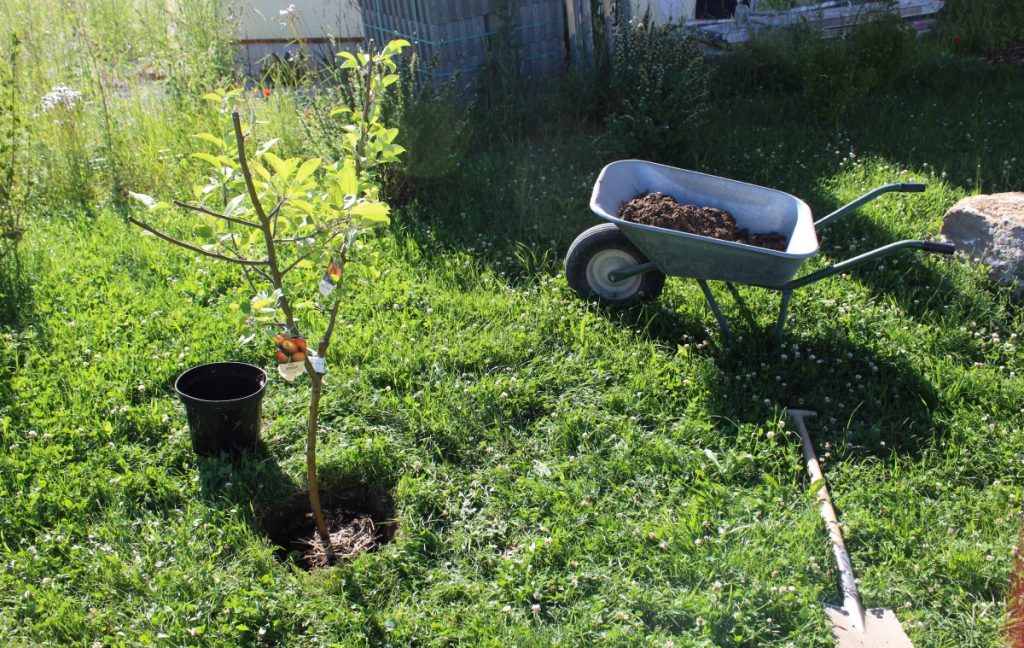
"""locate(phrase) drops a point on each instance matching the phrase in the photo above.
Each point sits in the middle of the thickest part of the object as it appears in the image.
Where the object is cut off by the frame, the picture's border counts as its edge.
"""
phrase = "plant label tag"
(326, 287)
(330, 278)
(291, 370)
(318, 363)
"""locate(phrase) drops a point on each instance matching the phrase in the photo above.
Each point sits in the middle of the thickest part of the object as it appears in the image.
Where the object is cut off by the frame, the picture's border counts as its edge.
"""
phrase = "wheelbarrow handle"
(911, 187)
(938, 248)
(878, 253)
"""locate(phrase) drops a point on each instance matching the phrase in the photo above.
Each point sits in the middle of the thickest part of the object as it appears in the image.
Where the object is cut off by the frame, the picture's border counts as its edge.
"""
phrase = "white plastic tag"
(291, 370)
(319, 365)
(326, 287)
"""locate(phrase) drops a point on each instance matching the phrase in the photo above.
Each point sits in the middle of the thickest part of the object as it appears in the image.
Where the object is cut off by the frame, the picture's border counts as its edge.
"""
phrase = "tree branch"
(276, 276)
(197, 250)
(297, 262)
(367, 99)
(210, 212)
(277, 208)
(233, 249)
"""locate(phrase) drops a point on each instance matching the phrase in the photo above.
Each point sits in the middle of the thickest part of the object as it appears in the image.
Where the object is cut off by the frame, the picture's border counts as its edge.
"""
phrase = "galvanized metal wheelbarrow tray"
(609, 261)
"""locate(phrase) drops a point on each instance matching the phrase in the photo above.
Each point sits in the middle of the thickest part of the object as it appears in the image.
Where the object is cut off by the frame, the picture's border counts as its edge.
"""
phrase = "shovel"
(852, 625)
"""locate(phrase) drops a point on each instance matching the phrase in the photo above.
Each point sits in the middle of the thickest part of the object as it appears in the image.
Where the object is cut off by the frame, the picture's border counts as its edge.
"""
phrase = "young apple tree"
(284, 221)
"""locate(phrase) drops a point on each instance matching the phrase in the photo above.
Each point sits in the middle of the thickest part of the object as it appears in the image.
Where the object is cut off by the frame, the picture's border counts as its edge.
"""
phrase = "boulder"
(990, 228)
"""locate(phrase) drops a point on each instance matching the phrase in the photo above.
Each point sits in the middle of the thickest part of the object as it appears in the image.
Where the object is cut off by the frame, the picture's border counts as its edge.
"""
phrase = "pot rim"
(263, 382)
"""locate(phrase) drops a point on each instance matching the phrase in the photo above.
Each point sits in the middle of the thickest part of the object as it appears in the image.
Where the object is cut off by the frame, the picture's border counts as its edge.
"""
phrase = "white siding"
(315, 19)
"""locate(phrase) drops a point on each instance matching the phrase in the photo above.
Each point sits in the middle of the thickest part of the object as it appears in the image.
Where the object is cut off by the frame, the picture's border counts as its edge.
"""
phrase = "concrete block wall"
(453, 36)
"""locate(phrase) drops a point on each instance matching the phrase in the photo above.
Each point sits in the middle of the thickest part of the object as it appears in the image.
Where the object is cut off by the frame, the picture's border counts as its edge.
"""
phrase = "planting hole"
(359, 520)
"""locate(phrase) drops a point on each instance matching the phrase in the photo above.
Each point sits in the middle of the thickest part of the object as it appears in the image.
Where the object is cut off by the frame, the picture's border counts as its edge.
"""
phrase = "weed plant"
(657, 93)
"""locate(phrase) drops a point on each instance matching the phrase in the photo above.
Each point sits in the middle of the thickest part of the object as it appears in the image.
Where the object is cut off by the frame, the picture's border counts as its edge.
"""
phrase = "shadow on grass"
(17, 306)
(16, 295)
(871, 404)
(251, 481)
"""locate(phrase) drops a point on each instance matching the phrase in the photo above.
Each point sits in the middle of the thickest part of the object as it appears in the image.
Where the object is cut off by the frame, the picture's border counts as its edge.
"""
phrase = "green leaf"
(304, 206)
(815, 487)
(307, 169)
(149, 201)
(372, 213)
(348, 184)
(261, 171)
(283, 168)
(350, 61)
(388, 80)
(233, 206)
(211, 138)
(395, 46)
(213, 160)
(266, 146)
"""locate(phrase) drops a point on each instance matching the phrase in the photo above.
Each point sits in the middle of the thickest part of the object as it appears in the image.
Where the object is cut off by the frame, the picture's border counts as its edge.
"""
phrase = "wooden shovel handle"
(851, 598)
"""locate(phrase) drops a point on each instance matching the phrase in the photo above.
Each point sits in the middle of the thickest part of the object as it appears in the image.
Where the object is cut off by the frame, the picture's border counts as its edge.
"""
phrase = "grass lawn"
(562, 474)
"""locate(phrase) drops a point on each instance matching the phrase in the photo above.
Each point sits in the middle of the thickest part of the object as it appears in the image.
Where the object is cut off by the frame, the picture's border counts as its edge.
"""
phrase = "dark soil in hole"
(1012, 55)
(359, 521)
(659, 210)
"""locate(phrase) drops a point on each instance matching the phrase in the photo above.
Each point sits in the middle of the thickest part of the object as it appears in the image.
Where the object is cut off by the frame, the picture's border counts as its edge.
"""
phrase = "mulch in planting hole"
(359, 521)
(658, 210)
(1011, 56)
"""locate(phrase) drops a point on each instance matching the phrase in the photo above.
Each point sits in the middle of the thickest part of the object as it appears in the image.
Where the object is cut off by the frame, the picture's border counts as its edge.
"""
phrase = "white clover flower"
(60, 97)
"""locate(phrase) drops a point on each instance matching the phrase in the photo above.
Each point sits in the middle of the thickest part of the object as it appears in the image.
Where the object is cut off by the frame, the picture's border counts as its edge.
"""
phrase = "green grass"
(629, 473)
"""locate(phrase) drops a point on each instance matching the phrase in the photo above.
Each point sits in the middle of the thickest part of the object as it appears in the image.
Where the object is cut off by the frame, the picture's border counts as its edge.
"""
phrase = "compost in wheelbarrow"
(622, 263)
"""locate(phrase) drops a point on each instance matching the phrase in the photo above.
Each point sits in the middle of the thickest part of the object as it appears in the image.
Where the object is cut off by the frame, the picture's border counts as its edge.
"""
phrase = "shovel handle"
(851, 598)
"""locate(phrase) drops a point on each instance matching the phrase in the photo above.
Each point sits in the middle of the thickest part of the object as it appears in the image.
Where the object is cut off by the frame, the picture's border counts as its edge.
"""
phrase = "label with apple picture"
(290, 353)
(330, 279)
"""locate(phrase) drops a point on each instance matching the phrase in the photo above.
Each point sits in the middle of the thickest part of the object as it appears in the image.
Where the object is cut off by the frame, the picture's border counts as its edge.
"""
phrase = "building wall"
(326, 25)
(664, 12)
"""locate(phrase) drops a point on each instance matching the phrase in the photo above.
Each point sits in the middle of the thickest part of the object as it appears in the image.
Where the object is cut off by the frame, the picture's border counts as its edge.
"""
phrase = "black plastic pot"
(222, 401)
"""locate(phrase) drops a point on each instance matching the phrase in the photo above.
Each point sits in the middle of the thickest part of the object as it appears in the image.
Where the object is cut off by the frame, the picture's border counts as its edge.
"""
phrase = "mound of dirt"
(659, 210)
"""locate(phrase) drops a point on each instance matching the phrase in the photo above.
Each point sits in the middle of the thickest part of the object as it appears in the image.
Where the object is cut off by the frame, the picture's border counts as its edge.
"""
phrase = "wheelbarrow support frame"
(814, 277)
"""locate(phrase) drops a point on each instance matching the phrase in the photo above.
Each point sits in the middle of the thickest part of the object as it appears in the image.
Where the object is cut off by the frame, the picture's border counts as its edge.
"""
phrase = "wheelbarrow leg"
(722, 322)
(783, 311)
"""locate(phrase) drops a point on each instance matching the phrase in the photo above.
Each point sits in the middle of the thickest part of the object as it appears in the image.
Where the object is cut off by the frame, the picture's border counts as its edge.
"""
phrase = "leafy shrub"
(657, 91)
(433, 127)
(832, 75)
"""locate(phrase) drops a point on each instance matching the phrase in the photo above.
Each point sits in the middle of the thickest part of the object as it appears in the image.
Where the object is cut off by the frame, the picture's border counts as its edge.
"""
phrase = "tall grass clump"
(107, 90)
(832, 76)
(12, 163)
(434, 127)
(971, 26)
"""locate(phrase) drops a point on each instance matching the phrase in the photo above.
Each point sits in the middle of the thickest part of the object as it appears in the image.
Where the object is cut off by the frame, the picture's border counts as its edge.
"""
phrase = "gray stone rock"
(990, 228)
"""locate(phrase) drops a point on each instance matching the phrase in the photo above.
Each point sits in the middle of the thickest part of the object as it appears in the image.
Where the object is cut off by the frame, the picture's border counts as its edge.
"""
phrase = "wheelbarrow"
(621, 263)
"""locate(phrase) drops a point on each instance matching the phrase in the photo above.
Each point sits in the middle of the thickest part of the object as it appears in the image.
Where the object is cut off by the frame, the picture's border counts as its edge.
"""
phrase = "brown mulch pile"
(1011, 55)
(659, 210)
(351, 535)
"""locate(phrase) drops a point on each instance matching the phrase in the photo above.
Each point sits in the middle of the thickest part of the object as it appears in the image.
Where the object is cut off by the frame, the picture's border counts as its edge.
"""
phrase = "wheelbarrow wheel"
(601, 250)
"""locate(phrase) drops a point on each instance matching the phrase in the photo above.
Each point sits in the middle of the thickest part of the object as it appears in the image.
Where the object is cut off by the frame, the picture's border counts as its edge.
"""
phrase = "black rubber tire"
(606, 246)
